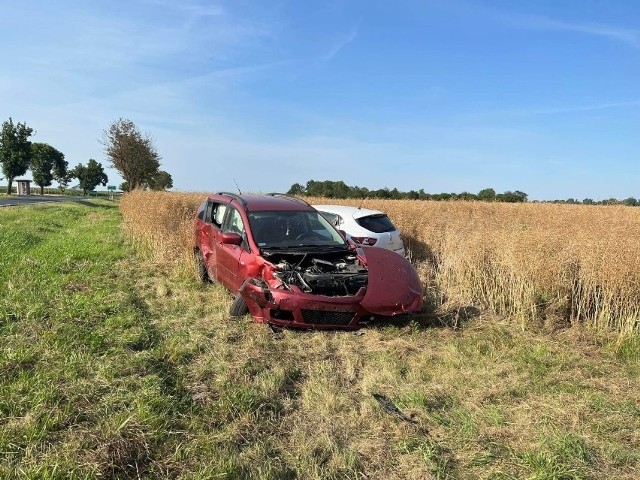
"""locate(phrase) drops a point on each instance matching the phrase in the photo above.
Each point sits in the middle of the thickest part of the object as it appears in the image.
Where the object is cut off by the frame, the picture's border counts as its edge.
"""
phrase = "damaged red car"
(287, 265)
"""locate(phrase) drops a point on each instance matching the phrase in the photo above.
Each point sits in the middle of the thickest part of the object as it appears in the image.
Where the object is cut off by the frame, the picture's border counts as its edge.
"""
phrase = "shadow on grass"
(88, 202)
(429, 318)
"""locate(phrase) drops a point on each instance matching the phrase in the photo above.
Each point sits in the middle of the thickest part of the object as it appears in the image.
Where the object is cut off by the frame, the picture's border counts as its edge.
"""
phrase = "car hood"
(393, 286)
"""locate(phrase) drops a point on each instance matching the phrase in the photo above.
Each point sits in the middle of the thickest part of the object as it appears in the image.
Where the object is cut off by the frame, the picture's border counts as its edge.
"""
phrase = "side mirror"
(343, 234)
(230, 238)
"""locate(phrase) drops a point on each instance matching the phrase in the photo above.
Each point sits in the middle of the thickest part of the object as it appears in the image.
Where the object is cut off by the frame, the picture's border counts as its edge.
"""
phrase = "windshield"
(285, 229)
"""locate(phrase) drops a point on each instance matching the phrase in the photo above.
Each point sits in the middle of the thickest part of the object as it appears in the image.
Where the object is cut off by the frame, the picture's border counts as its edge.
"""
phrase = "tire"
(201, 268)
(238, 307)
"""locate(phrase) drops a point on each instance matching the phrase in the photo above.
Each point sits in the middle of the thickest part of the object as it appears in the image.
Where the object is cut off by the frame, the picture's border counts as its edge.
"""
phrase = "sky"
(444, 95)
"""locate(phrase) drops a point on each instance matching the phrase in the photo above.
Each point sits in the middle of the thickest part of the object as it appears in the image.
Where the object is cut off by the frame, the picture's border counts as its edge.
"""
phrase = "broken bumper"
(296, 308)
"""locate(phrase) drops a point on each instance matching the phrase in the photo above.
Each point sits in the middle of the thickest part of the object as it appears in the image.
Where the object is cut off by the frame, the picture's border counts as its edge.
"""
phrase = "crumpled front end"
(327, 290)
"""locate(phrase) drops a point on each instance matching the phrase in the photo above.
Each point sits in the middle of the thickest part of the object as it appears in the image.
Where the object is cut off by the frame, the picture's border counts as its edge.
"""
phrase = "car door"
(229, 256)
(209, 235)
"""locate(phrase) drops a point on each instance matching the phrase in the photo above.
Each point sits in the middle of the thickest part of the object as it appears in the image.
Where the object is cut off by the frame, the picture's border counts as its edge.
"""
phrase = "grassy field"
(117, 364)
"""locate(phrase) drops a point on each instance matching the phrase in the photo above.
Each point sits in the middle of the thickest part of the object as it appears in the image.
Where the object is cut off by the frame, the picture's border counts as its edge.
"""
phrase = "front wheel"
(238, 307)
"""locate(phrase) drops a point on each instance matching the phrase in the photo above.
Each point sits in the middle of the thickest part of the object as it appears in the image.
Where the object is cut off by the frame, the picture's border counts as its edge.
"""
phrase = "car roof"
(257, 203)
(347, 211)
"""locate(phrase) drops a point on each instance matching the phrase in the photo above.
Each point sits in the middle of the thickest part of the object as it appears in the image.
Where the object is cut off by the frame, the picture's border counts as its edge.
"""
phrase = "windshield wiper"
(303, 245)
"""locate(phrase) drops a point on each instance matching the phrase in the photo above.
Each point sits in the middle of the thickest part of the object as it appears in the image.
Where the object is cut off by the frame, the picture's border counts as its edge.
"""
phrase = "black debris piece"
(276, 331)
(386, 403)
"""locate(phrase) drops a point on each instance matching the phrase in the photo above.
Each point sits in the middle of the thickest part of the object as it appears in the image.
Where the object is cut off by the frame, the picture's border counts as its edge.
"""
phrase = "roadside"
(15, 200)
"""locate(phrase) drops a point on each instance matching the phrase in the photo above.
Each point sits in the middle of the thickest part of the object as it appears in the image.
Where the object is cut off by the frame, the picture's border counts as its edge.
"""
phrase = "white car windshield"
(290, 229)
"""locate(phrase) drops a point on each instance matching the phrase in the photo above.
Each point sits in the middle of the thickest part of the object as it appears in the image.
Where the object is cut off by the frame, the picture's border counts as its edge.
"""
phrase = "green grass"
(112, 367)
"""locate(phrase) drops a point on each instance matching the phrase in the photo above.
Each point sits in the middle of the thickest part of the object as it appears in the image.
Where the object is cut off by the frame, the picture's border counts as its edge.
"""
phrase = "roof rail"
(234, 197)
(275, 194)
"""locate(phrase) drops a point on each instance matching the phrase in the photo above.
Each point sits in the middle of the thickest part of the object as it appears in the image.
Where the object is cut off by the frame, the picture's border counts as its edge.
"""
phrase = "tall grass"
(549, 264)
(532, 262)
(161, 224)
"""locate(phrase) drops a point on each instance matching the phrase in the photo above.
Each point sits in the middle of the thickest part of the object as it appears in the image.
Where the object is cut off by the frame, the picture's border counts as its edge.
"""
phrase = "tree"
(360, 192)
(512, 197)
(382, 193)
(487, 195)
(394, 194)
(161, 180)
(296, 189)
(44, 158)
(131, 153)
(61, 174)
(15, 150)
(90, 176)
(467, 196)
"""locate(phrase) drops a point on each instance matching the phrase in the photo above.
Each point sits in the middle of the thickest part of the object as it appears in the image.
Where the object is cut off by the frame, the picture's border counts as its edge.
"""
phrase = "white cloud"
(554, 110)
(341, 42)
(537, 22)
(196, 9)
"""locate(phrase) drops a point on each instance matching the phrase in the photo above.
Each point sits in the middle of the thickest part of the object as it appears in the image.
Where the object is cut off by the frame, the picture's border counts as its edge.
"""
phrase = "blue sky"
(449, 96)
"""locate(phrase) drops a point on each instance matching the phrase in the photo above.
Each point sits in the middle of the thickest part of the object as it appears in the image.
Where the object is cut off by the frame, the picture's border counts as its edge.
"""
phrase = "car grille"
(320, 317)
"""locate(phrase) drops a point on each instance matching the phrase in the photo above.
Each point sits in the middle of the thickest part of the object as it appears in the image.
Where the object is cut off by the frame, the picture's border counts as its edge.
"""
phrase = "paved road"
(13, 200)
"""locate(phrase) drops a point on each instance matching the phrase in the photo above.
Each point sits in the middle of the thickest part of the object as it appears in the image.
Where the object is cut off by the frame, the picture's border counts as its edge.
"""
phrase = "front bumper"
(295, 308)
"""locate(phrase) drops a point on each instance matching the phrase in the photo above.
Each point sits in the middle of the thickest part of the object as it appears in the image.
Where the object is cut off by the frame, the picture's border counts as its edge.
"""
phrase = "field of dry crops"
(551, 265)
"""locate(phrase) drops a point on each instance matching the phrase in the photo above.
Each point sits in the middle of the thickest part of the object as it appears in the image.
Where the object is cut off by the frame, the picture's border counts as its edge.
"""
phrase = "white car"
(364, 226)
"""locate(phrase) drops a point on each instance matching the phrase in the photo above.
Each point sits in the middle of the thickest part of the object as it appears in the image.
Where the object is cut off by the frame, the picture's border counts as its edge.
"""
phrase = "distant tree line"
(339, 189)
(130, 152)
(630, 202)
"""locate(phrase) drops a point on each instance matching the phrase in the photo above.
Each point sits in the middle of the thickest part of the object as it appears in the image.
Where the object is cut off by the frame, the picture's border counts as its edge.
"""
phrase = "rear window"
(376, 223)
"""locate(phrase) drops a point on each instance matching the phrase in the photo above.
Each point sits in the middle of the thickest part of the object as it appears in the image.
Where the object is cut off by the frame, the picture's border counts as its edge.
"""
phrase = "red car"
(287, 265)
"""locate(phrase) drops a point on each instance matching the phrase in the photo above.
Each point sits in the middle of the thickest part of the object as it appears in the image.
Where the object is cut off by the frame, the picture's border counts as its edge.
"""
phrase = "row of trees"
(630, 202)
(130, 152)
(18, 154)
(339, 189)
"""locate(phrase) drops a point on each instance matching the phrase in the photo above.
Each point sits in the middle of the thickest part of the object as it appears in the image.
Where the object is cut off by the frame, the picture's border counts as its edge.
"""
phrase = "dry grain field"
(534, 264)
